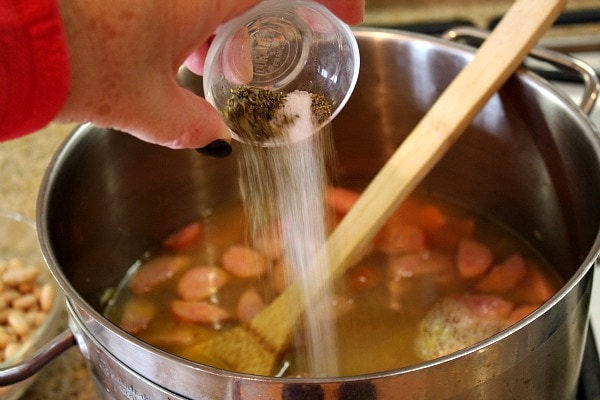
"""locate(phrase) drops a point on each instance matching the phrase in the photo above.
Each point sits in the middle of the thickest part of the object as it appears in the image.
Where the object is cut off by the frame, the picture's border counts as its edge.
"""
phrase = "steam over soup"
(436, 278)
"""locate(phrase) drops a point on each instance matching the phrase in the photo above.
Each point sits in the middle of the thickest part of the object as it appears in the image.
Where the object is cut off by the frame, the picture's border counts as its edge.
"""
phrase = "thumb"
(177, 118)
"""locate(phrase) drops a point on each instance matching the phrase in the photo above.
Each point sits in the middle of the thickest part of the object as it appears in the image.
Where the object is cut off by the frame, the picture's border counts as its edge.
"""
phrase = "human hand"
(124, 58)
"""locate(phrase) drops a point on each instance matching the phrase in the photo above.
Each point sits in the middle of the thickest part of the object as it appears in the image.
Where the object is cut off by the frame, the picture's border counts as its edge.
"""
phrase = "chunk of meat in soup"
(536, 287)
(396, 238)
(454, 323)
(280, 276)
(269, 242)
(340, 199)
(155, 272)
(249, 304)
(199, 311)
(201, 282)
(417, 264)
(451, 233)
(505, 276)
(431, 218)
(402, 268)
(137, 315)
(473, 258)
(521, 312)
(184, 237)
(244, 262)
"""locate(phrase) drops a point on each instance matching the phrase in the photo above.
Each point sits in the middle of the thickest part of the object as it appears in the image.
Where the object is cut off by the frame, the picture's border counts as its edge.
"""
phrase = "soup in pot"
(437, 278)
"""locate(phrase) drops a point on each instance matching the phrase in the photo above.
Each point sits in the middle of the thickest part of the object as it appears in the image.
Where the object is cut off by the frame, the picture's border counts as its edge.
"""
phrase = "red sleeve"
(34, 65)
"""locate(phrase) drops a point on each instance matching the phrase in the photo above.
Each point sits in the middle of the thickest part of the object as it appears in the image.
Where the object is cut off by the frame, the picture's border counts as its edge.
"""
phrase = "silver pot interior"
(530, 159)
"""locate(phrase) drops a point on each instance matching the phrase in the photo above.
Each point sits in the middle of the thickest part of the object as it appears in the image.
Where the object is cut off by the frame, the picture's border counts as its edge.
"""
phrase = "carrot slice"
(450, 235)
(400, 238)
(184, 237)
(505, 276)
(432, 219)
(521, 312)
(341, 199)
(536, 287)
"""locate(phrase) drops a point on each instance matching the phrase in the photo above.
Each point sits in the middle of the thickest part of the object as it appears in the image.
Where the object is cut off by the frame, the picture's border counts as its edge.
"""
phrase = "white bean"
(25, 302)
(18, 322)
(4, 316)
(18, 275)
(36, 317)
(5, 338)
(11, 349)
(9, 295)
(47, 295)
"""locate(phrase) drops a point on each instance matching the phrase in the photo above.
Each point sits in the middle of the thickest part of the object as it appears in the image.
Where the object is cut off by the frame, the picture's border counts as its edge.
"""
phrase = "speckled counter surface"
(22, 165)
(23, 162)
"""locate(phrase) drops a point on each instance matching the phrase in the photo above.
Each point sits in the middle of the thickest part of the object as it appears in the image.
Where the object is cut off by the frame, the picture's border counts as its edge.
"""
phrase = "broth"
(437, 278)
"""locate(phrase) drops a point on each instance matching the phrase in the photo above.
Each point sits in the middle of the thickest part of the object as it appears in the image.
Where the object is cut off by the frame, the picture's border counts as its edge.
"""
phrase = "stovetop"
(479, 13)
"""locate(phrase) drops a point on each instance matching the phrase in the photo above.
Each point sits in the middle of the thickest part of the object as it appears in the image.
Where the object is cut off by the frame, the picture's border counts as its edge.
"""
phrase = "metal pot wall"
(531, 159)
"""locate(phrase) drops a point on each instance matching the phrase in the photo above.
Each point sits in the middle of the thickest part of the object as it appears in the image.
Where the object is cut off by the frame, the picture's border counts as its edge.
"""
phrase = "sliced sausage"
(244, 262)
(155, 272)
(249, 304)
(199, 311)
(473, 258)
(198, 283)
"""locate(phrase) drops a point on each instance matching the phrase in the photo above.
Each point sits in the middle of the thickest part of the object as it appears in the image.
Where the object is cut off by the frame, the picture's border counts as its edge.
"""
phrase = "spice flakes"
(257, 115)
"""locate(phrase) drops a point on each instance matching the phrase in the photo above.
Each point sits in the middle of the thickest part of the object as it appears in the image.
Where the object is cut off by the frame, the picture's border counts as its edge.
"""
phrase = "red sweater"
(34, 65)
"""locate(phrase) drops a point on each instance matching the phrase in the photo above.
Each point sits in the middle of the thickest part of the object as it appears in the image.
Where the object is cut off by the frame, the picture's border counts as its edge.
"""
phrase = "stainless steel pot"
(531, 159)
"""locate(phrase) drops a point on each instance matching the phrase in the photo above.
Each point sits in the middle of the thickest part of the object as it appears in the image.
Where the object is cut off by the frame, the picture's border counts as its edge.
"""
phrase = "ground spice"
(257, 115)
(320, 107)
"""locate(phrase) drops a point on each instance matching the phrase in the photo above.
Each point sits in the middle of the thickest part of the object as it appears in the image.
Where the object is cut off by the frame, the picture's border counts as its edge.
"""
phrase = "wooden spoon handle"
(496, 60)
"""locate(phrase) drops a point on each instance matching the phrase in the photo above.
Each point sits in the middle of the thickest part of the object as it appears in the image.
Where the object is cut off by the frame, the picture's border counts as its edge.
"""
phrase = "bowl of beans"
(30, 304)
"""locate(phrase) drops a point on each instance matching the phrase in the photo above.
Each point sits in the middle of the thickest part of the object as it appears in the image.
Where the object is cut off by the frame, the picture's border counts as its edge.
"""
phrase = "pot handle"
(561, 60)
(38, 360)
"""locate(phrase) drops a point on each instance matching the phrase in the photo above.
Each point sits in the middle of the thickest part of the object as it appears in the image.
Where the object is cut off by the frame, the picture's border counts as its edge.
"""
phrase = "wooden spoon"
(256, 347)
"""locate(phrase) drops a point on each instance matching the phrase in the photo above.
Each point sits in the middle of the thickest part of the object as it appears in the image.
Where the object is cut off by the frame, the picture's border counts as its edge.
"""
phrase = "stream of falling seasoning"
(284, 187)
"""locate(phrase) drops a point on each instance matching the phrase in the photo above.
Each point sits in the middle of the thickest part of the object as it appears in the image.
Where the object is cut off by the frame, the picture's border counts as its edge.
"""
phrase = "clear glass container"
(283, 46)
